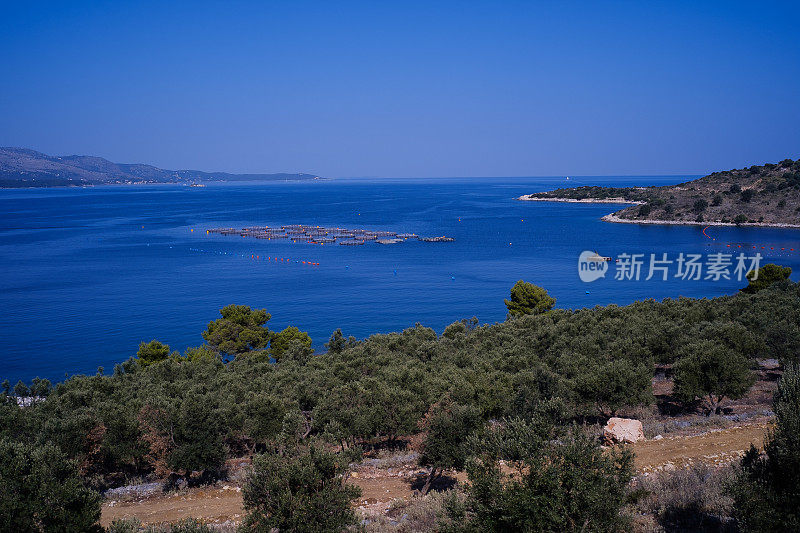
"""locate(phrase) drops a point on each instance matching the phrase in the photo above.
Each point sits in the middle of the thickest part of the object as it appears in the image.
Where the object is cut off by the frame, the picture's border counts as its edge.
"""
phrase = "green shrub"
(699, 205)
(564, 484)
(282, 341)
(301, 492)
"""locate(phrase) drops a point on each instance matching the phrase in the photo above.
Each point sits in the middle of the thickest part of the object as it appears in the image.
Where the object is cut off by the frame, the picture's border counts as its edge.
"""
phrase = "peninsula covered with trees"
(759, 195)
(510, 404)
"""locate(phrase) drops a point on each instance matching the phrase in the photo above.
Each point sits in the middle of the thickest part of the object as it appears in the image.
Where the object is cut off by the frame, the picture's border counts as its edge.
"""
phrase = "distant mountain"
(759, 195)
(20, 167)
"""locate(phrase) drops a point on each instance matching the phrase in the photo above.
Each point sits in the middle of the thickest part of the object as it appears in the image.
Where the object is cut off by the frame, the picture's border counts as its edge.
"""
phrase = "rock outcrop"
(619, 430)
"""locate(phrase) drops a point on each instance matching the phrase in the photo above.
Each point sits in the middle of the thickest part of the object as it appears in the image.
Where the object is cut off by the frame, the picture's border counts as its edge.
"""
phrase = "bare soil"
(222, 503)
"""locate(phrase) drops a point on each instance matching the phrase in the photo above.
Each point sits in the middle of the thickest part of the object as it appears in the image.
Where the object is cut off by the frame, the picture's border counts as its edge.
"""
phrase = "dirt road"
(223, 504)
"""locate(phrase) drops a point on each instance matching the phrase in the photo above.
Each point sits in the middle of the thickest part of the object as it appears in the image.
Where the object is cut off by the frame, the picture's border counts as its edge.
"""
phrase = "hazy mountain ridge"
(22, 167)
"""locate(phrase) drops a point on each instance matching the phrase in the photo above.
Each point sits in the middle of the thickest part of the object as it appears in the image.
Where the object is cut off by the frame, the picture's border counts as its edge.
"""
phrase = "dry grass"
(691, 499)
(418, 514)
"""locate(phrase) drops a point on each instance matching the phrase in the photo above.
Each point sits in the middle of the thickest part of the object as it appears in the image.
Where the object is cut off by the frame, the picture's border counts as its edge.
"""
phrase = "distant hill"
(21, 167)
(758, 195)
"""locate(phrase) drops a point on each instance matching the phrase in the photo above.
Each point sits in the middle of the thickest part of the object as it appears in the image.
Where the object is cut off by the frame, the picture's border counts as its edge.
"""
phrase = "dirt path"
(716, 447)
(215, 505)
(224, 504)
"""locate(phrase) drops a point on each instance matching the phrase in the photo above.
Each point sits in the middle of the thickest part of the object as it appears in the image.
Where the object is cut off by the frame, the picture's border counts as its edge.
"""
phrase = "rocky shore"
(612, 217)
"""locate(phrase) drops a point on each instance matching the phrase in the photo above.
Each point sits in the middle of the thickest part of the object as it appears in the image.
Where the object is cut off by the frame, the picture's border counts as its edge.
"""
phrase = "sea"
(89, 273)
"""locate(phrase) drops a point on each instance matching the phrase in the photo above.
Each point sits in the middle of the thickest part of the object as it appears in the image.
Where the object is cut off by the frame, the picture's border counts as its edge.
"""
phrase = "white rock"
(623, 430)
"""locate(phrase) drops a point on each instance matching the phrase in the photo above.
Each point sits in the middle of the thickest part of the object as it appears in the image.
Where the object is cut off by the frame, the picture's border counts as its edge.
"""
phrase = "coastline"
(530, 198)
(611, 217)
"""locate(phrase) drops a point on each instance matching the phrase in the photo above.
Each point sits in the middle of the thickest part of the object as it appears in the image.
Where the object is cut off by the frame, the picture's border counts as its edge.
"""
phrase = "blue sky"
(406, 89)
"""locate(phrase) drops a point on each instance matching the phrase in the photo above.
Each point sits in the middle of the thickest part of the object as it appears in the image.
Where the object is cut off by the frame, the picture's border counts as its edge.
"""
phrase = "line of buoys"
(759, 248)
(751, 246)
(256, 257)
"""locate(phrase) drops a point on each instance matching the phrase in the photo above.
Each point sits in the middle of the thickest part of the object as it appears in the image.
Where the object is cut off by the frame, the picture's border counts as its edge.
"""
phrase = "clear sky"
(406, 89)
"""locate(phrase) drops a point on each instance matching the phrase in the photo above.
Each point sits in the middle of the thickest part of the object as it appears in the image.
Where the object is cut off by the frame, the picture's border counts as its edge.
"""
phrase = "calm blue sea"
(89, 273)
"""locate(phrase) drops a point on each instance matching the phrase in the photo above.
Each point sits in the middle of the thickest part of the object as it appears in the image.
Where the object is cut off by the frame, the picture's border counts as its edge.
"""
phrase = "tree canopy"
(40, 490)
(240, 330)
(528, 299)
(766, 276)
(152, 352)
(711, 372)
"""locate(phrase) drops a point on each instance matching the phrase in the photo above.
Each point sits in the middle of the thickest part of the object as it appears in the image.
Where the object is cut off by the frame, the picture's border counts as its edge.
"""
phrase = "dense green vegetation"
(768, 193)
(298, 492)
(253, 391)
(40, 490)
(766, 491)
(556, 480)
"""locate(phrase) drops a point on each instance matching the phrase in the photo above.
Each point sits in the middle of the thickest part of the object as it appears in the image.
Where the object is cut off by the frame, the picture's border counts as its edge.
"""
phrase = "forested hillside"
(767, 194)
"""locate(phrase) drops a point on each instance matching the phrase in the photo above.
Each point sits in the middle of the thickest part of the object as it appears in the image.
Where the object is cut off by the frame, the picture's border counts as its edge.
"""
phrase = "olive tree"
(305, 491)
(710, 372)
(448, 427)
(552, 481)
